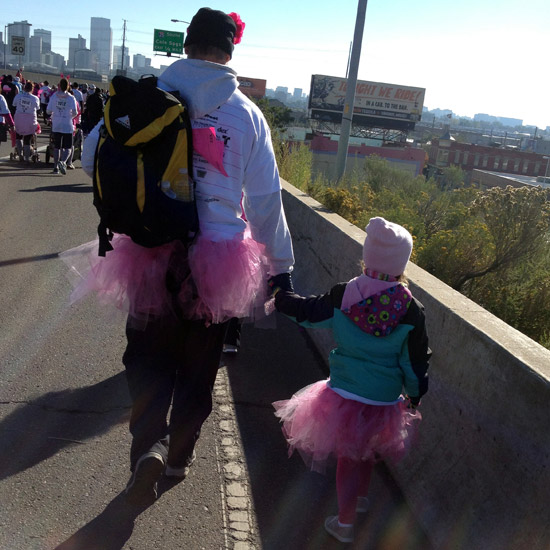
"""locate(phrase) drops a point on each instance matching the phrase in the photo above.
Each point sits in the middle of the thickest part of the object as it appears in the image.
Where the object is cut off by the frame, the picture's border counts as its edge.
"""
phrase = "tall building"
(22, 29)
(140, 61)
(281, 93)
(35, 49)
(54, 59)
(117, 58)
(76, 45)
(46, 39)
(101, 43)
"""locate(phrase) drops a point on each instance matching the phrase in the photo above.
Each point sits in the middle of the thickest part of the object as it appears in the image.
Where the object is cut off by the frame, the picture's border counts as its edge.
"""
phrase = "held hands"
(283, 281)
(413, 402)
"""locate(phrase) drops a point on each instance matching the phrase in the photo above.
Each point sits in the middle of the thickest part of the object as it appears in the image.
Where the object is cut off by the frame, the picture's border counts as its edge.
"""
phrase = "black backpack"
(143, 185)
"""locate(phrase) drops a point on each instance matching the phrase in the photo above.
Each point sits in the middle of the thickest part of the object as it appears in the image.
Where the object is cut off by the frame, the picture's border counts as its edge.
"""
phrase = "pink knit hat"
(387, 248)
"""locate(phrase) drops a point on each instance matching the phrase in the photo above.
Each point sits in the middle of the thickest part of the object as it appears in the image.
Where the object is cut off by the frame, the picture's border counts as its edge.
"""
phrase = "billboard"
(377, 104)
(252, 87)
(168, 41)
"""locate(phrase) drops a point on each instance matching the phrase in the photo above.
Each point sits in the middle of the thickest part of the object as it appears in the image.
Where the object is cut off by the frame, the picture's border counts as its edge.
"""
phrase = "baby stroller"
(25, 145)
(19, 148)
(49, 149)
(77, 144)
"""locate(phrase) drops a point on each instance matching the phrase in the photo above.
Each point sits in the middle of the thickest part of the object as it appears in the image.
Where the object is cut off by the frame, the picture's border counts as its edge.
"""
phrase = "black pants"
(62, 141)
(233, 335)
(173, 364)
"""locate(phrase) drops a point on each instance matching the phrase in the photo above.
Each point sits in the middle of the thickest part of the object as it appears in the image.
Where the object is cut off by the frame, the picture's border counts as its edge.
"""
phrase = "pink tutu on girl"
(323, 426)
(229, 276)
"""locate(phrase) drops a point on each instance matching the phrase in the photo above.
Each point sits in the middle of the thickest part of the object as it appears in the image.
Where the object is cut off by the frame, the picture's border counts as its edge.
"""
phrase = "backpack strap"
(104, 233)
(105, 238)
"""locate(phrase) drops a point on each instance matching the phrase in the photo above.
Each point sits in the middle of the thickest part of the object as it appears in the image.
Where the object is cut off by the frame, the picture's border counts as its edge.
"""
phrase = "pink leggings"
(352, 481)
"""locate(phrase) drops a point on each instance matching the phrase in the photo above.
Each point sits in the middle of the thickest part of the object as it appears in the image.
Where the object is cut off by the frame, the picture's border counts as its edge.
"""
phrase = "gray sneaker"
(55, 169)
(62, 167)
(142, 486)
(343, 533)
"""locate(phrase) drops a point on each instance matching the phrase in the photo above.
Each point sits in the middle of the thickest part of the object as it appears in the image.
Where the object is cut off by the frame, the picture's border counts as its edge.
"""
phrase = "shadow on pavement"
(38, 429)
(62, 188)
(29, 259)
(290, 502)
(108, 531)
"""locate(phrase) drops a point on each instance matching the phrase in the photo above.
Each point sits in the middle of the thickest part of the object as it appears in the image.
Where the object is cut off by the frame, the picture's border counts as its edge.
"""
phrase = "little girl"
(365, 411)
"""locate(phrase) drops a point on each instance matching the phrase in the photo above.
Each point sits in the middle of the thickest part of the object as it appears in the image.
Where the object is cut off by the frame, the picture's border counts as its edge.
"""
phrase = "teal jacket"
(378, 368)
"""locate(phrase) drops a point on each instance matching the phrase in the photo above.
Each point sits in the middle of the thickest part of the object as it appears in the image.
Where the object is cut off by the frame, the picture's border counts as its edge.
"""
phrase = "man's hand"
(283, 281)
(413, 403)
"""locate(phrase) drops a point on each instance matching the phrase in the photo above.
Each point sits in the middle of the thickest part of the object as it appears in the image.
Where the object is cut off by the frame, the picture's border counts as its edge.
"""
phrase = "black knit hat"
(212, 28)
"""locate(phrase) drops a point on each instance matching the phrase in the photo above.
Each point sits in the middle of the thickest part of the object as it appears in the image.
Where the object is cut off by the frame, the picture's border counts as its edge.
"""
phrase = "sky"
(471, 56)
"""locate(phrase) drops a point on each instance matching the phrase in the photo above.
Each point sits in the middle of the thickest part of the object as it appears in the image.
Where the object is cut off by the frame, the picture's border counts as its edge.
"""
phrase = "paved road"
(64, 409)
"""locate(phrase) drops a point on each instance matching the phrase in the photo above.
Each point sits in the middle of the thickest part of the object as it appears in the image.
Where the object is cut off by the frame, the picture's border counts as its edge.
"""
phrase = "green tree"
(518, 221)
(519, 296)
(453, 178)
(277, 117)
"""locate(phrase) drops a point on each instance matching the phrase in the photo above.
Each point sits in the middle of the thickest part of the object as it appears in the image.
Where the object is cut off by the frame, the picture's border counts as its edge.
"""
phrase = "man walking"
(172, 361)
(78, 95)
(93, 111)
(63, 108)
(44, 94)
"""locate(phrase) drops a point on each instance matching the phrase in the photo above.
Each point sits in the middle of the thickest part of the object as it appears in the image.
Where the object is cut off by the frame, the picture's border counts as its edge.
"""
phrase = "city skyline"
(472, 58)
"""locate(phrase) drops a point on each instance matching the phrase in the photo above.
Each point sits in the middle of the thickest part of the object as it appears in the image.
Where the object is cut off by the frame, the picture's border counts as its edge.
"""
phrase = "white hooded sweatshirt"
(210, 89)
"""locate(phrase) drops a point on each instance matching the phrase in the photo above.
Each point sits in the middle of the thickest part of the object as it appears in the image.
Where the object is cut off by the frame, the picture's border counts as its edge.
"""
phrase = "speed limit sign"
(18, 45)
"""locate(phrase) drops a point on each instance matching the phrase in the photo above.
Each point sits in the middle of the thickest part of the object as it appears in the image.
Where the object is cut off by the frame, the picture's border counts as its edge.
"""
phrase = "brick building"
(325, 150)
(445, 152)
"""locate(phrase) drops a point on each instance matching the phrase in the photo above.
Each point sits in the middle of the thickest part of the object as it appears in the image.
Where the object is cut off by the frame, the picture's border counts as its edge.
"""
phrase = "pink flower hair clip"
(240, 27)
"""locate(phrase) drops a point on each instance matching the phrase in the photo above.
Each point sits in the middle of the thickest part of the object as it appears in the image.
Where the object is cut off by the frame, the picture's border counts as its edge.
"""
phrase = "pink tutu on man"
(212, 281)
(230, 277)
(323, 426)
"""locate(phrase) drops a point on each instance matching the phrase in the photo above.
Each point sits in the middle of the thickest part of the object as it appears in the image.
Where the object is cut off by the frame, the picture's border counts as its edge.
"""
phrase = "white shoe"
(343, 533)
(181, 473)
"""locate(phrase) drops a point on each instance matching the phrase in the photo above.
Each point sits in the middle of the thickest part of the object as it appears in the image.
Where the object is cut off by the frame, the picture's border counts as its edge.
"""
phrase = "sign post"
(169, 42)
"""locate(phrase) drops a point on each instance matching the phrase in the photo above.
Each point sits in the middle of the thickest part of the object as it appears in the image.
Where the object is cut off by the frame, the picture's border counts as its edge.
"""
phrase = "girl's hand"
(414, 402)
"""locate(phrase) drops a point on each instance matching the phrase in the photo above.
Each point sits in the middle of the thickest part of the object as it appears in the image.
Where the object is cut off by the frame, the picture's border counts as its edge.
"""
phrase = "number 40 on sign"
(18, 45)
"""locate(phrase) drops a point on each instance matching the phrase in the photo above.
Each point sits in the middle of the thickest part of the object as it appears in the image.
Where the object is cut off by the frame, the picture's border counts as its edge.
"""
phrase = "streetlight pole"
(347, 114)
(547, 163)
(179, 21)
(5, 40)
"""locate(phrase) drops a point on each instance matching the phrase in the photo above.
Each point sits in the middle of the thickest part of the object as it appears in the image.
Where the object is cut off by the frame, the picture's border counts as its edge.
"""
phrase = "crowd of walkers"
(69, 108)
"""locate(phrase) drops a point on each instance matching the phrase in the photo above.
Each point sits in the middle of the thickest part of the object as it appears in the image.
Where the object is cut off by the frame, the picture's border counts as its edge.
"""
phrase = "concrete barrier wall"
(479, 477)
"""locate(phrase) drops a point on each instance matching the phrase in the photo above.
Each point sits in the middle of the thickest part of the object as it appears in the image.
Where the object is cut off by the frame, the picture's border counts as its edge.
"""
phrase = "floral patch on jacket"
(380, 313)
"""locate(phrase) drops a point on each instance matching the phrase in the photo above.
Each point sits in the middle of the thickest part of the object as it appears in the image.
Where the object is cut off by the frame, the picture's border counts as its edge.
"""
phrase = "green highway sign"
(168, 41)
